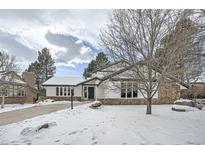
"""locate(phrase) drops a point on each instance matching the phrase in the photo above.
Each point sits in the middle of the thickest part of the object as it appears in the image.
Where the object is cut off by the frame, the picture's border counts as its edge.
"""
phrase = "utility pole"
(72, 93)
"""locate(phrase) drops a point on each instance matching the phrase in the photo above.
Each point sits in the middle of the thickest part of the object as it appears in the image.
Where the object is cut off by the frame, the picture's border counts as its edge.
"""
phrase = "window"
(123, 90)
(72, 92)
(68, 91)
(6, 92)
(135, 90)
(15, 90)
(11, 90)
(20, 91)
(57, 91)
(129, 90)
(23, 93)
(85, 92)
(61, 91)
(65, 91)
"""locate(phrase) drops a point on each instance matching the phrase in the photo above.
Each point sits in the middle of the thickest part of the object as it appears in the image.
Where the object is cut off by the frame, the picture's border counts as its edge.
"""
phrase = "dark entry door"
(90, 92)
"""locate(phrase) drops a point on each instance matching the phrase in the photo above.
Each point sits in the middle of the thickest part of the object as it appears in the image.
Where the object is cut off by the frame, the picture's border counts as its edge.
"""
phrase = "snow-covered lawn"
(125, 124)
(12, 107)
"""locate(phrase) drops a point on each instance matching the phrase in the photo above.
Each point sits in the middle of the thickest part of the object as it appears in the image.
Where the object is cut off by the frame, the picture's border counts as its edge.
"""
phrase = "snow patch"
(185, 108)
(34, 130)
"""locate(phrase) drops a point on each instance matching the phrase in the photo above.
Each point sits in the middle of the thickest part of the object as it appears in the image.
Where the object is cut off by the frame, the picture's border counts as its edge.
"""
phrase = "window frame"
(57, 91)
(125, 89)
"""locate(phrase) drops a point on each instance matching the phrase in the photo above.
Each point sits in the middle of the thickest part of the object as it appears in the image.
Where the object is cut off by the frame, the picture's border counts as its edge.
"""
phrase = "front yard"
(126, 124)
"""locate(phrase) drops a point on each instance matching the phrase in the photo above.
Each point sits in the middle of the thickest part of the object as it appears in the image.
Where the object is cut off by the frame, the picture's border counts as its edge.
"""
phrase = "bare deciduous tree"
(7, 65)
(136, 36)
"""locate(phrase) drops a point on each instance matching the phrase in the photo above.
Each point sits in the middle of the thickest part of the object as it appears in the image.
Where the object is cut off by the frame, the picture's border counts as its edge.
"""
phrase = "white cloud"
(24, 32)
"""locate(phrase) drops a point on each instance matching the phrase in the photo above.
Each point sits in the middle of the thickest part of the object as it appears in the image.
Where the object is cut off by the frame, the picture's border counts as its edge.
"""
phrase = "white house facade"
(106, 85)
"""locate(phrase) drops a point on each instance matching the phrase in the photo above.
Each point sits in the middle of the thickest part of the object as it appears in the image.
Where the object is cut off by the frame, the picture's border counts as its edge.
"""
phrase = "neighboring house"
(111, 84)
(20, 89)
(197, 90)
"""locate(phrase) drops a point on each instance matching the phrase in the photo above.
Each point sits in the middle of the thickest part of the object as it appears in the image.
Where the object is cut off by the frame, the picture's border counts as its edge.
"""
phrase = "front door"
(90, 92)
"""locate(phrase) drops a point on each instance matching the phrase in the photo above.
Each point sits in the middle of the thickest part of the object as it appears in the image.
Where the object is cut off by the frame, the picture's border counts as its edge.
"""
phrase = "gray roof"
(5, 77)
(64, 80)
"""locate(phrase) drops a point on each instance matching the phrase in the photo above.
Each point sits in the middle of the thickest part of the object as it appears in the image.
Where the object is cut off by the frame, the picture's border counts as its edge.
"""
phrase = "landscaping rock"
(186, 102)
(183, 108)
(199, 104)
(95, 104)
(178, 110)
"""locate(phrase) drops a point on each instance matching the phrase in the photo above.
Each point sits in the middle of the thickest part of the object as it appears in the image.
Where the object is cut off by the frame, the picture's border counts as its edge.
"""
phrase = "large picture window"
(13, 91)
(63, 91)
(129, 90)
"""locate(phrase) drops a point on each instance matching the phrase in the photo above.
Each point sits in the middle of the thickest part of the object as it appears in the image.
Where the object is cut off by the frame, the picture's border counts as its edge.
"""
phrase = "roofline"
(105, 66)
(115, 73)
(142, 63)
(12, 82)
(94, 78)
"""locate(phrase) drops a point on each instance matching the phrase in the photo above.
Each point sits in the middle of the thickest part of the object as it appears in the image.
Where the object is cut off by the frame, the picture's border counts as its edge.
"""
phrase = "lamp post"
(72, 94)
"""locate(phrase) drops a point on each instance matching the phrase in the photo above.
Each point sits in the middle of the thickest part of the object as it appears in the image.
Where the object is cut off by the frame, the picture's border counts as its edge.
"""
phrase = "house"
(111, 84)
(18, 89)
(197, 90)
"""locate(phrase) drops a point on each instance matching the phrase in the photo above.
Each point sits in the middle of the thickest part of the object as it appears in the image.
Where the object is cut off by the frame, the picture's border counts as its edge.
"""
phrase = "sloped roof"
(4, 77)
(62, 80)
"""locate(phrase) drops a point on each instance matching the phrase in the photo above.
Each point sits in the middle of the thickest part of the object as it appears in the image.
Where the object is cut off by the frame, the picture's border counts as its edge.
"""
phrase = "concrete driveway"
(22, 114)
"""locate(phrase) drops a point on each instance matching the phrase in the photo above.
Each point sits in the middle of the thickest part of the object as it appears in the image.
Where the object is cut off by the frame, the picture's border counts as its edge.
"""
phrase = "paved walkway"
(22, 114)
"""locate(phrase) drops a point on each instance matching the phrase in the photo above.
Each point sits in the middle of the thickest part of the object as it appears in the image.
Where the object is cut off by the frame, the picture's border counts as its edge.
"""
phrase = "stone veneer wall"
(169, 91)
(14, 100)
(64, 98)
(120, 101)
(29, 78)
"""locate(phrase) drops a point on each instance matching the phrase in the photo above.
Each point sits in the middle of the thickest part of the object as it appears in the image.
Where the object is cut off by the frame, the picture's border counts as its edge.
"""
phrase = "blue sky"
(71, 35)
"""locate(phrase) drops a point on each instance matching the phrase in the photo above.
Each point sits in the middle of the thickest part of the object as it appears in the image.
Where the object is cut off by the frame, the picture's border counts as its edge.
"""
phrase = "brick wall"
(14, 100)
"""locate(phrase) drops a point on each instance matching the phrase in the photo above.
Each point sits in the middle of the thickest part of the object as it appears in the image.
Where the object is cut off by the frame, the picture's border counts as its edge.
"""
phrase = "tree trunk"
(2, 103)
(149, 106)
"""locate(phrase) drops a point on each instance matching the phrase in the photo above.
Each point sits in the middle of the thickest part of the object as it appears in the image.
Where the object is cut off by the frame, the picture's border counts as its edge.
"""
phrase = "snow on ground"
(186, 108)
(12, 107)
(117, 124)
